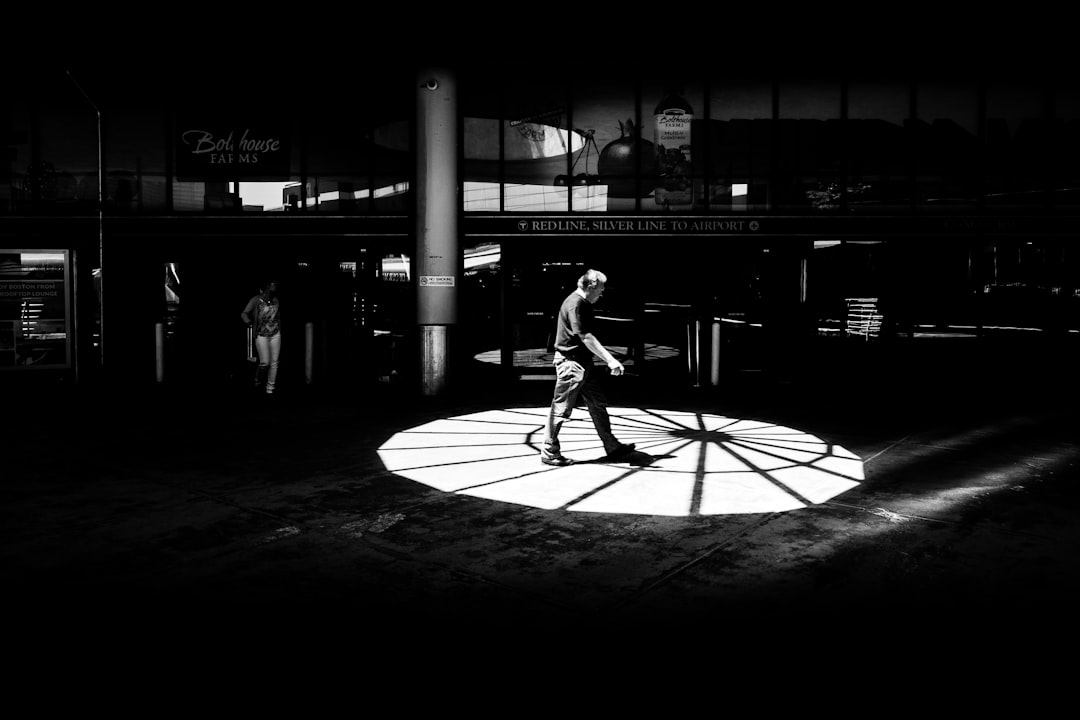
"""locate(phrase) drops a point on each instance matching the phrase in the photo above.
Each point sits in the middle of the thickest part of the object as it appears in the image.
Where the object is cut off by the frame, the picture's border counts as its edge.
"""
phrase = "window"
(877, 143)
(737, 145)
(808, 161)
(1017, 147)
(946, 146)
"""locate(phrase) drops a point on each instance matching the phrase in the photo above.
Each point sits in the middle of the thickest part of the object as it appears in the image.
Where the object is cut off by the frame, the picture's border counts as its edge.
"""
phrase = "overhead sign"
(639, 225)
(706, 226)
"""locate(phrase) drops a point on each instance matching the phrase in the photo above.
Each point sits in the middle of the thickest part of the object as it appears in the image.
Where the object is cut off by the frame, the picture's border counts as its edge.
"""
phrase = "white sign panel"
(437, 281)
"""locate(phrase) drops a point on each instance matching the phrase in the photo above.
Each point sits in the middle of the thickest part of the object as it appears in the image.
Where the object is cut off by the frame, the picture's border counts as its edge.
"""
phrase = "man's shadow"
(636, 458)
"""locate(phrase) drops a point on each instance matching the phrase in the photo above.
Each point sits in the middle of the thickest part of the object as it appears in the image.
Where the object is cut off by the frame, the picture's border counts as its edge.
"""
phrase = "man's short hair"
(591, 279)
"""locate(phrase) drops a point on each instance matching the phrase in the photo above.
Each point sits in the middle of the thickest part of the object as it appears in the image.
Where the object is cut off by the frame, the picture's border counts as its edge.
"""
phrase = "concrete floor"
(246, 515)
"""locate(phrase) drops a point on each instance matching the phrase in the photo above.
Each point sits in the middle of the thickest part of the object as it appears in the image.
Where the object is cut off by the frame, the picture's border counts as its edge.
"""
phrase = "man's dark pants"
(574, 380)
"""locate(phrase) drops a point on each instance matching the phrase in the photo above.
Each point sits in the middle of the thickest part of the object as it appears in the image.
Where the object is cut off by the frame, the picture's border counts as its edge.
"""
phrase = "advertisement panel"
(34, 316)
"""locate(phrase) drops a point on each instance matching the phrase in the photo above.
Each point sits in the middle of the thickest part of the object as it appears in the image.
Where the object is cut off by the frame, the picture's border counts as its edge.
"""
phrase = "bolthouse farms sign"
(219, 150)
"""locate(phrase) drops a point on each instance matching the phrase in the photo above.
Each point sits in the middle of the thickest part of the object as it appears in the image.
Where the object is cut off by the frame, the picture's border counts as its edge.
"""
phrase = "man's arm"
(600, 351)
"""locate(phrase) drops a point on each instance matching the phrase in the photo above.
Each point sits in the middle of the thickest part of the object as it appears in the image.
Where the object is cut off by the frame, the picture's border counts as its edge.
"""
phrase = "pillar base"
(434, 359)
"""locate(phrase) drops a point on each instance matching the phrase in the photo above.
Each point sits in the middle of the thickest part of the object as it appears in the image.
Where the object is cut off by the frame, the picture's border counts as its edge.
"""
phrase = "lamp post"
(101, 228)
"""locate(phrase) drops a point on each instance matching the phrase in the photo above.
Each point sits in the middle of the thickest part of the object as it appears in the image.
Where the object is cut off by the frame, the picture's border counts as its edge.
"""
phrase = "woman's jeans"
(269, 349)
(573, 380)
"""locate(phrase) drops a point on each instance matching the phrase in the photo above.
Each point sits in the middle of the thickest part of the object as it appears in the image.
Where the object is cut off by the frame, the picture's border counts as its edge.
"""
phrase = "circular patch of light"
(685, 463)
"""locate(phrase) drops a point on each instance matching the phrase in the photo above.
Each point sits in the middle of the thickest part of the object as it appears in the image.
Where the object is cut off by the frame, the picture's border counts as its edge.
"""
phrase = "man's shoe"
(621, 451)
(558, 461)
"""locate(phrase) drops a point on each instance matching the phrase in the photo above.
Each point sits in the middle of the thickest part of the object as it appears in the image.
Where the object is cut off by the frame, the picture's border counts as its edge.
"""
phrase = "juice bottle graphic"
(671, 136)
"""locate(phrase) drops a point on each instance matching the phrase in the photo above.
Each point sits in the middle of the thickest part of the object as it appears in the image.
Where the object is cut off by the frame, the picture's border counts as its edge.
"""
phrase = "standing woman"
(263, 314)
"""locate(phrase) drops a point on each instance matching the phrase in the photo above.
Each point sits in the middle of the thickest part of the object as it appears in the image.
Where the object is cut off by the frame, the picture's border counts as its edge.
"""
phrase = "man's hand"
(616, 367)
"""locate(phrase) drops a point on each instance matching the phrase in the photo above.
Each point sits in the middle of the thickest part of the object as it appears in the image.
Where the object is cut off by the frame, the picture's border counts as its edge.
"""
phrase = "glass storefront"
(594, 143)
(618, 147)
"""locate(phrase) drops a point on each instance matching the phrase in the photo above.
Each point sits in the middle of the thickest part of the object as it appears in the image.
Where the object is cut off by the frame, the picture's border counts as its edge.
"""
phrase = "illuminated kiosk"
(685, 463)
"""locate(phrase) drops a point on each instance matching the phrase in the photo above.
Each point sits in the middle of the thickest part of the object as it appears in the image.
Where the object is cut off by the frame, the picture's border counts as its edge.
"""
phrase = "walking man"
(575, 346)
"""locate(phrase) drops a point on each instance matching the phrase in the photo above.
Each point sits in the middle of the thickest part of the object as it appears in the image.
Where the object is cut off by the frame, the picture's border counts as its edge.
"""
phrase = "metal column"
(438, 247)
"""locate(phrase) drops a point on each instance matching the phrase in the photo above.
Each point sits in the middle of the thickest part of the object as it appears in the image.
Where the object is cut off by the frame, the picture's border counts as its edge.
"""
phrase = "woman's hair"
(591, 279)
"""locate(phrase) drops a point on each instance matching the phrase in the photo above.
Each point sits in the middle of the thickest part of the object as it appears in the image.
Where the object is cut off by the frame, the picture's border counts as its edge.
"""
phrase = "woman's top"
(263, 316)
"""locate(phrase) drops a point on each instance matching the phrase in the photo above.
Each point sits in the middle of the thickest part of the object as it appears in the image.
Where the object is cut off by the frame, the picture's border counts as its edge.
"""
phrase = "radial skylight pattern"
(685, 463)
